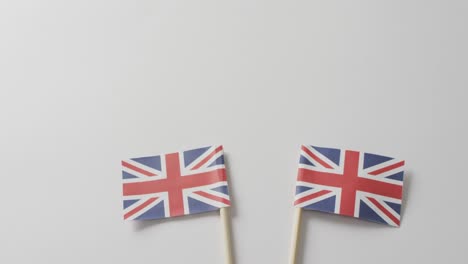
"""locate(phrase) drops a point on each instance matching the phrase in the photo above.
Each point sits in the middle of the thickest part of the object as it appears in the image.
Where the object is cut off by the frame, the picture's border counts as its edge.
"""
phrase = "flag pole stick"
(226, 223)
(295, 234)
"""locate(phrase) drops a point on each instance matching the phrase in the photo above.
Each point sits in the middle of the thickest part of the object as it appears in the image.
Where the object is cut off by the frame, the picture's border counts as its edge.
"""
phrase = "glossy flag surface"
(175, 184)
(351, 183)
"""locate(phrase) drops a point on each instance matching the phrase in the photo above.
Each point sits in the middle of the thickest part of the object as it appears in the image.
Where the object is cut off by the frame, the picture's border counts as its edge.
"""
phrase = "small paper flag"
(351, 183)
(175, 184)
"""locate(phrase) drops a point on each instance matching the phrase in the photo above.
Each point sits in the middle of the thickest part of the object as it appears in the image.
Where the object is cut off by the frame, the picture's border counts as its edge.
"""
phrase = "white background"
(84, 84)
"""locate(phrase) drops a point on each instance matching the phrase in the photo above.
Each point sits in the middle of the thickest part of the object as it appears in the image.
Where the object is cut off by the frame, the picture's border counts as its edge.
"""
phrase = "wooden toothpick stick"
(226, 223)
(295, 234)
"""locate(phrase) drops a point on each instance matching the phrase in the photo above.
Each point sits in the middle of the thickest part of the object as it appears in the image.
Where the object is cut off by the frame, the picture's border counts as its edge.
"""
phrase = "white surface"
(86, 83)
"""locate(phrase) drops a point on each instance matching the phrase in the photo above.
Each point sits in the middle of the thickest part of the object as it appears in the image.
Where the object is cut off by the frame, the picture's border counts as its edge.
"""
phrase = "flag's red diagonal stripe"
(163, 185)
(311, 196)
(213, 197)
(384, 210)
(323, 163)
(385, 169)
(142, 171)
(207, 158)
(138, 208)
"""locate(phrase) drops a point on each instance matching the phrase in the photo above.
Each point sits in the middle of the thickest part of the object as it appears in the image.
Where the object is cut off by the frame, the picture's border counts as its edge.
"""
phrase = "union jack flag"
(175, 184)
(351, 183)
